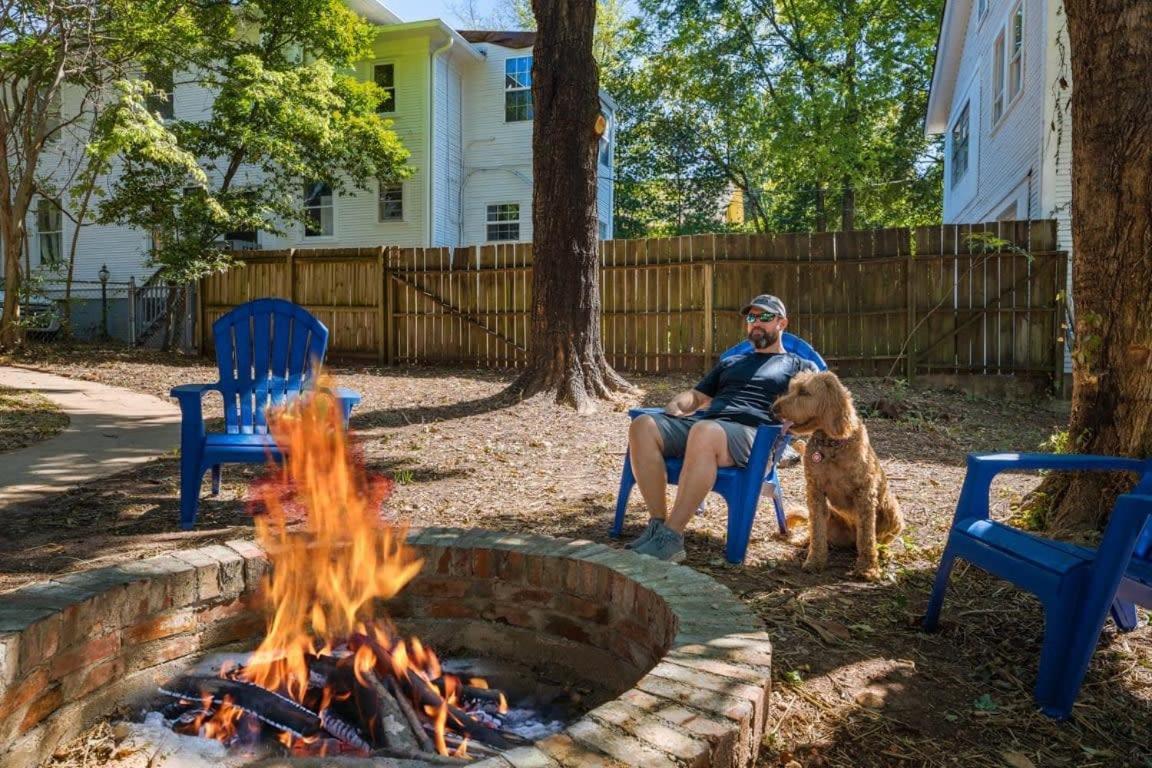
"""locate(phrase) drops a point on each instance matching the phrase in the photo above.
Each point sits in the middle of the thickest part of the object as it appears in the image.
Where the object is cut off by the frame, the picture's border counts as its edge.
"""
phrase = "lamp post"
(103, 274)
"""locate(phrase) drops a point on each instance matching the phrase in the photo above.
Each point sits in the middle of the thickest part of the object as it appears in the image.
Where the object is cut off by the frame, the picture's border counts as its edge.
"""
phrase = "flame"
(324, 584)
(329, 576)
(222, 725)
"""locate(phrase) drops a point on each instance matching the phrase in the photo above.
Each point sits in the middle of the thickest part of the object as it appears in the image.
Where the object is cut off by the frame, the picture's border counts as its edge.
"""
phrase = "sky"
(414, 10)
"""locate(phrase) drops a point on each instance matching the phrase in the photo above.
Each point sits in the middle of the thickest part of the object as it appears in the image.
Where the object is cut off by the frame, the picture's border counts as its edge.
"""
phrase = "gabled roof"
(949, 49)
(504, 38)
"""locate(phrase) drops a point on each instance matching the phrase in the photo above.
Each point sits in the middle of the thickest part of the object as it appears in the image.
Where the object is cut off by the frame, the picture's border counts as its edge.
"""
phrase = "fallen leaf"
(1018, 760)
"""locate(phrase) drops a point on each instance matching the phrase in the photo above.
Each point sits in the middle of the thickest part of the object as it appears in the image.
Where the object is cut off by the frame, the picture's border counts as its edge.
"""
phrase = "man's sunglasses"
(762, 317)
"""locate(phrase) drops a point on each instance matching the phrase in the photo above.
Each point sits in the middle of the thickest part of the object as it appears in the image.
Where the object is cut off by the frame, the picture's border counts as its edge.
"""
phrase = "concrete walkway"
(110, 429)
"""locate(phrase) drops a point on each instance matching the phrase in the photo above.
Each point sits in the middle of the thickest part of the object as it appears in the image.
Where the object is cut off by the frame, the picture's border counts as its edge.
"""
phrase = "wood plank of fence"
(872, 301)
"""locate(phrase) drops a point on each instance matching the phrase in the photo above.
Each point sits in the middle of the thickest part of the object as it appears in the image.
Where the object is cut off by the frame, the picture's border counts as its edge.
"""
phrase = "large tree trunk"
(565, 354)
(11, 333)
(1111, 42)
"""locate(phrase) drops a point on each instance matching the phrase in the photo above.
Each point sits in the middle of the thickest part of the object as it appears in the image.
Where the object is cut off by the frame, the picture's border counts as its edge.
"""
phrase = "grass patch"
(27, 417)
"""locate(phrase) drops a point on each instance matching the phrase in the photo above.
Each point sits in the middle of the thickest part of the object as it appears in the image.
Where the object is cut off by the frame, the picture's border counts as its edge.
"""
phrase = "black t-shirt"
(743, 387)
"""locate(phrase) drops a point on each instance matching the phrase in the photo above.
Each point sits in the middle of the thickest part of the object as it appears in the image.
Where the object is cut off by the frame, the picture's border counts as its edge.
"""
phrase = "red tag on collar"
(816, 457)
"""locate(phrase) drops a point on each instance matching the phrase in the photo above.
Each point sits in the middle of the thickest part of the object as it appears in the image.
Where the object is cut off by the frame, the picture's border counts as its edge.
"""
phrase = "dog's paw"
(867, 572)
(813, 564)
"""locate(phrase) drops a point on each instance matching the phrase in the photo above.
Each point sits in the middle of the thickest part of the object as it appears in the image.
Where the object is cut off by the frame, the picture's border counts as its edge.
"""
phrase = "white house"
(461, 102)
(1000, 94)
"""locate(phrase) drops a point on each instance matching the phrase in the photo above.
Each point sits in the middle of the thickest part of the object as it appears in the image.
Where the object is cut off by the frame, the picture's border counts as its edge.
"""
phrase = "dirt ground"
(27, 418)
(856, 683)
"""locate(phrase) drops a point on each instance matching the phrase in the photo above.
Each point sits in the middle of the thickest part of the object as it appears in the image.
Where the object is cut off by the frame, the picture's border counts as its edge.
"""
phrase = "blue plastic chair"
(1077, 586)
(740, 486)
(265, 351)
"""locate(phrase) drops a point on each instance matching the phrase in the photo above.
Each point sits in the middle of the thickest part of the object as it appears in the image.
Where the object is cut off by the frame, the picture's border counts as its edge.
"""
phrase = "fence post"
(381, 309)
(389, 297)
(132, 330)
(288, 262)
(910, 322)
(189, 319)
(709, 311)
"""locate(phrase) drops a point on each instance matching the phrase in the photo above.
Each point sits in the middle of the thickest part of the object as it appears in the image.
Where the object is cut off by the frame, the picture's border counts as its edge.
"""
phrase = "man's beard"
(762, 339)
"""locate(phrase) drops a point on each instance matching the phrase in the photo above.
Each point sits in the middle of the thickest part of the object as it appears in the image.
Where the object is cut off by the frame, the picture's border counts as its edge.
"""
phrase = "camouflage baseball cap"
(768, 303)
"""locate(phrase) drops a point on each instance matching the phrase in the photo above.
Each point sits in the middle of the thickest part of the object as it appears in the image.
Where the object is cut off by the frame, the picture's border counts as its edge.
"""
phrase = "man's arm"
(687, 402)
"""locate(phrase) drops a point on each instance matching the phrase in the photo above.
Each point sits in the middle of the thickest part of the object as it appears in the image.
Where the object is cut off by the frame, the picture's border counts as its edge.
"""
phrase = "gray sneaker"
(665, 544)
(649, 531)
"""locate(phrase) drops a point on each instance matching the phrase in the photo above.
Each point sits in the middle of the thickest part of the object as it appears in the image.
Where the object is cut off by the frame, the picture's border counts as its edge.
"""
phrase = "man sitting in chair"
(711, 425)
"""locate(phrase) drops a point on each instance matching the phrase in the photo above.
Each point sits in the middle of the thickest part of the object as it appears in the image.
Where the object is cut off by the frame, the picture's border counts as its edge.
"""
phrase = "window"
(982, 8)
(49, 231)
(1008, 64)
(504, 221)
(160, 100)
(1016, 53)
(518, 89)
(319, 212)
(998, 79)
(959, 138)
(391, 202)
(605, 147)
(603, 229)
(384, 76)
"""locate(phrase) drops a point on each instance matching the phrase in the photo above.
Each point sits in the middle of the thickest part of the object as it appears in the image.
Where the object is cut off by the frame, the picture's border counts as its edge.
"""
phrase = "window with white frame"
(504, 221)
(1008, 63)
(49, 231)
(319, 210)
(517, 89)
(998, 79)
(959, 149)
(390, 204)
(384, 75)
(160, 101)
(605, 147)
(1016, 52)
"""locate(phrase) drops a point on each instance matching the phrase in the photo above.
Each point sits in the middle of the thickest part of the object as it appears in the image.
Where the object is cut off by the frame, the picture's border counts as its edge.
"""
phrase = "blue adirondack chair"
(740, 486)
(1077, 586)
(266, 351)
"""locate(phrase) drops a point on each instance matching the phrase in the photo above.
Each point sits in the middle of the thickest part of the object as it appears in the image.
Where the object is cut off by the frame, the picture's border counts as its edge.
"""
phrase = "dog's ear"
(840, 419)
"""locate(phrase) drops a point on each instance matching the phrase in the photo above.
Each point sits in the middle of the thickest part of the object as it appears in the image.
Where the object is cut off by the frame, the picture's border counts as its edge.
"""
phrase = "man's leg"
(707, 451)
(646, 451)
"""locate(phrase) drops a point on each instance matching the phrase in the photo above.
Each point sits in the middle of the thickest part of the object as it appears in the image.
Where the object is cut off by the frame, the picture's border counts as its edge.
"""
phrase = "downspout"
(432, 128)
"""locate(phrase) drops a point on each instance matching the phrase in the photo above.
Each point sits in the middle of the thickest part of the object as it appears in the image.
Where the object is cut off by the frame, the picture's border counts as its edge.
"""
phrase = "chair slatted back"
(265, 352)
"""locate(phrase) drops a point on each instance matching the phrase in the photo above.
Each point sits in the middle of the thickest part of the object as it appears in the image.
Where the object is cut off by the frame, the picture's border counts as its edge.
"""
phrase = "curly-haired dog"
(848, 496)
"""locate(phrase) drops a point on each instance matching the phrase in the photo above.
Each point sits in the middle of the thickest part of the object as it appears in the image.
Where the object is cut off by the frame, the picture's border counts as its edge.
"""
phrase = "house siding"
(447, 143)
(497, 155)
(1007, 156)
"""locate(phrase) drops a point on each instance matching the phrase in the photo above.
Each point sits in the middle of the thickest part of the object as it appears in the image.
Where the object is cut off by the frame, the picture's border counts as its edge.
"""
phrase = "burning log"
(410, 714)
(267, 706)
(395, 729)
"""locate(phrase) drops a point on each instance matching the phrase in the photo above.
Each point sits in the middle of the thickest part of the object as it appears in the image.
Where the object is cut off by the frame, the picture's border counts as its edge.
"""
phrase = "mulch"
(856, 682)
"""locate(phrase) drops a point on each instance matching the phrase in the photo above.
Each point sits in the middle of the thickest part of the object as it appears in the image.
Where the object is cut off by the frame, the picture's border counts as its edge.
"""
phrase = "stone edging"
(71, 647)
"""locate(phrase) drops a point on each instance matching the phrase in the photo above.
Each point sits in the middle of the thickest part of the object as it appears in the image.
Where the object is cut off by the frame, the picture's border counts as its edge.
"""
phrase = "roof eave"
(949, 49)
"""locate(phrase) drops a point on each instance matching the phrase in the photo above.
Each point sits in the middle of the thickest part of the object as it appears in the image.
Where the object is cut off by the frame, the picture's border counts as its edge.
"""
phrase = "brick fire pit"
(687, 663)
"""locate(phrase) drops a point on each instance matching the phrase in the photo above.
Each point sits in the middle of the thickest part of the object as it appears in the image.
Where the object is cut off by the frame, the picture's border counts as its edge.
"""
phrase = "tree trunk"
(11, 333)
(565, 353)
(848, 206)
(821, 211)
(1112, 252)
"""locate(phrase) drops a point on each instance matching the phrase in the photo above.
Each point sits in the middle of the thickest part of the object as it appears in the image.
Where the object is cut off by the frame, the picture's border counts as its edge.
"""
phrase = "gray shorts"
(674, 434)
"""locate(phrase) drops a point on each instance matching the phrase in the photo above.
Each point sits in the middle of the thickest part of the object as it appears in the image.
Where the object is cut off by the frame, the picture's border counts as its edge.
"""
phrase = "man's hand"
(684, 404)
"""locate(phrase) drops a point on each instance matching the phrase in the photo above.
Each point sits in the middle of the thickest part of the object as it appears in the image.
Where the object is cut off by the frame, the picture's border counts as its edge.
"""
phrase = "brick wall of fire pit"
(688, 665)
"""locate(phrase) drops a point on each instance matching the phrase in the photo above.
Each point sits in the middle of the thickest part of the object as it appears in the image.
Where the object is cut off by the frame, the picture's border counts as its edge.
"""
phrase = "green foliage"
(278, 119)
(806, 107)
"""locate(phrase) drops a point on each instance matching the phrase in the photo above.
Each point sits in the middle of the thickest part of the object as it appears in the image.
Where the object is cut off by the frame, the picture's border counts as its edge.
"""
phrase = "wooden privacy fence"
(927, 300)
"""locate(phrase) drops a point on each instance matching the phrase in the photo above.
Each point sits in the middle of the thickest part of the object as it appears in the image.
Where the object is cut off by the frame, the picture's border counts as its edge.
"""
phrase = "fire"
(326, 581)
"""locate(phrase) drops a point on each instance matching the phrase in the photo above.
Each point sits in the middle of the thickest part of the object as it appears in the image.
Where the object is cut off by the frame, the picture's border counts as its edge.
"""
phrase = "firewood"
(410, 714)
(396, 729)
(429, 757)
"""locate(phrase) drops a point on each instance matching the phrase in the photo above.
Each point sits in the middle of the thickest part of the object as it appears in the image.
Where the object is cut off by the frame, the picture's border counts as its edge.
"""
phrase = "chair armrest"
(191, 400)
(982, 468)
(192, 391)
(634, 412)
(767, 447)
(345, 395)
